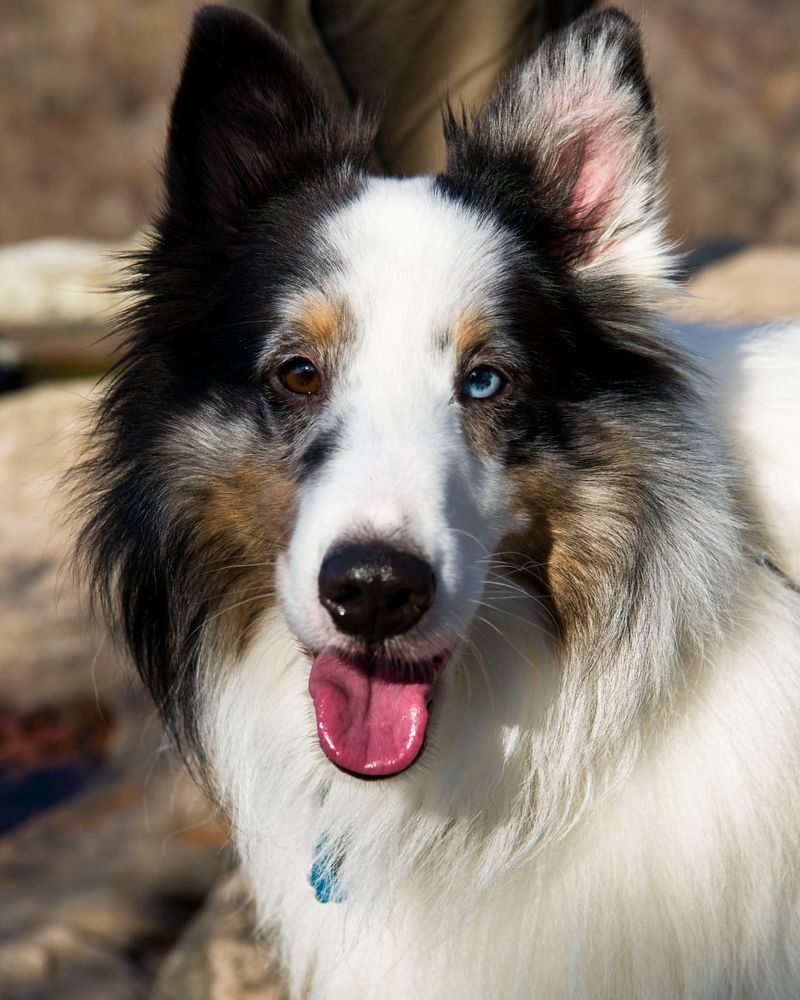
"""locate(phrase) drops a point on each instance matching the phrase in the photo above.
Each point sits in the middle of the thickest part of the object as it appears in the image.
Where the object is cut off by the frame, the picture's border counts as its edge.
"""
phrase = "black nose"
(373, 591)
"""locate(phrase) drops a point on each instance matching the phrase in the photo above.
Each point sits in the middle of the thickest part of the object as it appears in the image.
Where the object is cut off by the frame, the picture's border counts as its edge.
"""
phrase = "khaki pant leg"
(412, 54)
(293, 19)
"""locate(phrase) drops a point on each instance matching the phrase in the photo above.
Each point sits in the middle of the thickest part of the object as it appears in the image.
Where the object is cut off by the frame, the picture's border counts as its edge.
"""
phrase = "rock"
(95, 890)
(49, 653)
(218, 957)
(58, 281)
(36, 970)
(57, 305)
(93, 893)
(758, 284)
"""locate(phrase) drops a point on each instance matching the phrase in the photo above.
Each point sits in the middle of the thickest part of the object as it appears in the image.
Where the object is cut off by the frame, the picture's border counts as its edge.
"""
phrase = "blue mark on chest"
(324, 874)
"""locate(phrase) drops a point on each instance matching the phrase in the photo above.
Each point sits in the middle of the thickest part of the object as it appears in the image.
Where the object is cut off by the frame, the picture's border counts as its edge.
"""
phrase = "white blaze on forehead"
(413, 264)
(410, 263)
(414, 261)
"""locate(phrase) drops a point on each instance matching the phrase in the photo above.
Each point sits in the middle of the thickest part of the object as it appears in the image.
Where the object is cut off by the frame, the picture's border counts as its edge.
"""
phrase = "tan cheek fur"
(241, 524)
(578, 541)
(234, 503)
(240, 508)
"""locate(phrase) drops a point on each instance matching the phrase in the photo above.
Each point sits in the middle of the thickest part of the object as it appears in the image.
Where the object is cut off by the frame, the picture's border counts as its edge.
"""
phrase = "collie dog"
(422, 536)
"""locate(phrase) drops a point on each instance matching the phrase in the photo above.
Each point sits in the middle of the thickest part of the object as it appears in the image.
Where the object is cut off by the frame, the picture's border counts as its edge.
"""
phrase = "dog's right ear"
(248, 120)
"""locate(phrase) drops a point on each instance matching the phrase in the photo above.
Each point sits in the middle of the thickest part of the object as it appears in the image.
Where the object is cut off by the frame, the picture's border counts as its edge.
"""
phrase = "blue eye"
(483, 382)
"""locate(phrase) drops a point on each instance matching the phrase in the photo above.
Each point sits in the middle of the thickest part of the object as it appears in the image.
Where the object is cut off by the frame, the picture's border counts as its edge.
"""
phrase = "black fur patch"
(317, 453)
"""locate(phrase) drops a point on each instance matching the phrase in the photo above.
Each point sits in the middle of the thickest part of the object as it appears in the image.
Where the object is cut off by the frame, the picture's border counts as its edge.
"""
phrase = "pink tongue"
(367, 723)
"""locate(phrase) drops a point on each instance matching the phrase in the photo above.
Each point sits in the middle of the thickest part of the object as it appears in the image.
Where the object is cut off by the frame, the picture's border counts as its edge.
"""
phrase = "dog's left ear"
(569, 143)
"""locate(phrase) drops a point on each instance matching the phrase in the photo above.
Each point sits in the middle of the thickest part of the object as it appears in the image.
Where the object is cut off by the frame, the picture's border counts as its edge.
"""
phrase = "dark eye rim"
(283, 366)
(505, 382)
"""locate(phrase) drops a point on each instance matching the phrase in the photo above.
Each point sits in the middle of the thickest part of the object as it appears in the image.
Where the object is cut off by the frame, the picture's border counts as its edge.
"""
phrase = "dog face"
(400, 445)
(362, 403)
(396, 393)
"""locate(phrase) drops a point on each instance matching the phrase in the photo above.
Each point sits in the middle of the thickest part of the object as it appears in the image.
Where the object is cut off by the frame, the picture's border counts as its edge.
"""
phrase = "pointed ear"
(248, 120)
(572, 135)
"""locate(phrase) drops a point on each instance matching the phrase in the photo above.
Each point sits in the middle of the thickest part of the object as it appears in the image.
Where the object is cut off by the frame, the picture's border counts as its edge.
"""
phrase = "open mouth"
(372, 712)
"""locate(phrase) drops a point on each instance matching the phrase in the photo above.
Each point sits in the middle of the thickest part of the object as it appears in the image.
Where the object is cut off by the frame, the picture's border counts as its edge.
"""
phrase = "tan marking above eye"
(321, 321)
(471, 330)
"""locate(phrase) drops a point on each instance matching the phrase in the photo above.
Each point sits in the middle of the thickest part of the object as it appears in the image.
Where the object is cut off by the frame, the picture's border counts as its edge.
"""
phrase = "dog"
(424, 538)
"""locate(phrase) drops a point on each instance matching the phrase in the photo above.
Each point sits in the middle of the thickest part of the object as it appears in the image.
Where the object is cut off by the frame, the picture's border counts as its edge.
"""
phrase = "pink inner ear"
(596, 193)
(587, 122)
(598, 182)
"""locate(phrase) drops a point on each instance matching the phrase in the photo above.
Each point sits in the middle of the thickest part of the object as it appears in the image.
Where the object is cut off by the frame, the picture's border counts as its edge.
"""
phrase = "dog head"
(363, 403)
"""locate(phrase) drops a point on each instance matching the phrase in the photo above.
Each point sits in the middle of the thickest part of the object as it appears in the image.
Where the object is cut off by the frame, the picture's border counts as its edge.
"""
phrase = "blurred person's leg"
(411, 54)
(295, 21)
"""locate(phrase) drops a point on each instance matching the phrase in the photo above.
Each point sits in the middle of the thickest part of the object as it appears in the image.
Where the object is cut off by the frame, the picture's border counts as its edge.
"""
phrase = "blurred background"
(114, 878)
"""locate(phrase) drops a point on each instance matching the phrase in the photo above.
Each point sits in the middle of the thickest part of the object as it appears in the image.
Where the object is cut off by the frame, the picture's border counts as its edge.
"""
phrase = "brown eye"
(300, 376)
